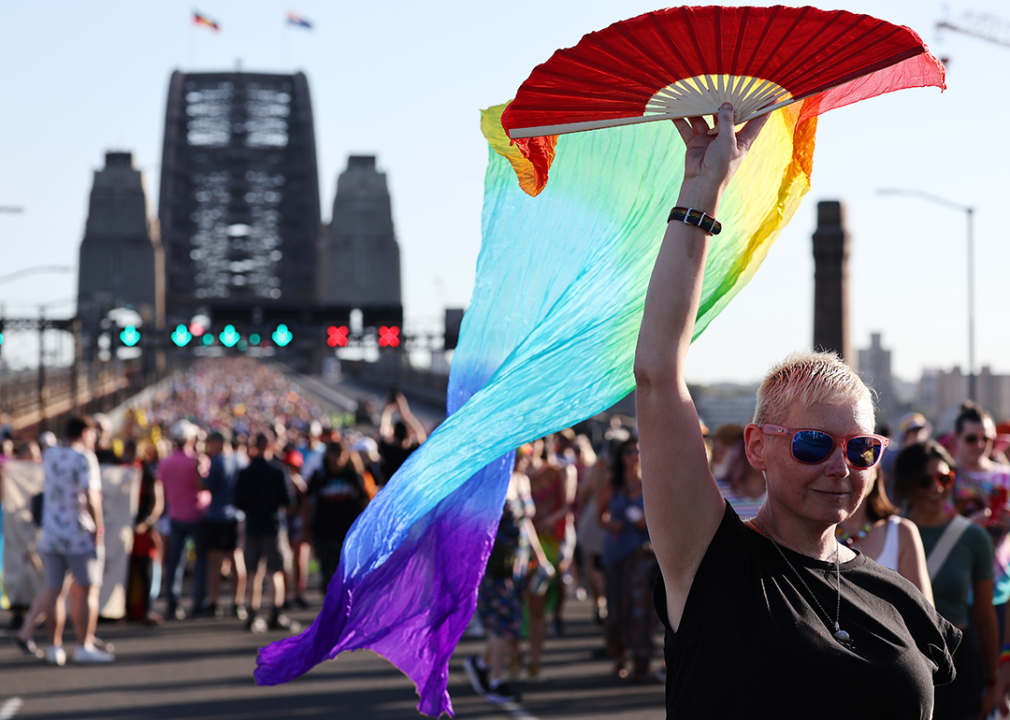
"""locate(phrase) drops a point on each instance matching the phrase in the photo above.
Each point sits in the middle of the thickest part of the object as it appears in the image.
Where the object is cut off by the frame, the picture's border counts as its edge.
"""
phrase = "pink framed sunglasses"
(812, 447)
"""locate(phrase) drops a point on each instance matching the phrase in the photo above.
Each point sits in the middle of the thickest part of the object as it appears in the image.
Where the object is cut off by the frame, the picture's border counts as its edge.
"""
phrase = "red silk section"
(613, 73)
(540, 152)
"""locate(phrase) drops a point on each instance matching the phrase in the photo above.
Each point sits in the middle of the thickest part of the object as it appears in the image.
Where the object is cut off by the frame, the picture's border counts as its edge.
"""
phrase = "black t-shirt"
(752, 643)
(261, 490)
(393, 455)
(338, 497)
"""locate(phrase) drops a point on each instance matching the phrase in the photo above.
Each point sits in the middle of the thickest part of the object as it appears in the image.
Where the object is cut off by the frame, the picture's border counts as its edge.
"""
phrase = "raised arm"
(683, 505)
(408, 417)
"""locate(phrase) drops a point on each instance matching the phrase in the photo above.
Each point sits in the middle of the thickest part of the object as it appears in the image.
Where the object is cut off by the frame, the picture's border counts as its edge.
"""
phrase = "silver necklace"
(840, 635)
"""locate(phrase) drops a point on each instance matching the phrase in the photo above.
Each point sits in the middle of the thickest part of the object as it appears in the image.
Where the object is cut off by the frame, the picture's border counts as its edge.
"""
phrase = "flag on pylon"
(205, 21)
(297, 20)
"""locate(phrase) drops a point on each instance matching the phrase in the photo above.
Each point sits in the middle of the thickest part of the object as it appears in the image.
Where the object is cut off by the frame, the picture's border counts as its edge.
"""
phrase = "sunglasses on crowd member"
(812, 447)
(945, 479)
(973, 439)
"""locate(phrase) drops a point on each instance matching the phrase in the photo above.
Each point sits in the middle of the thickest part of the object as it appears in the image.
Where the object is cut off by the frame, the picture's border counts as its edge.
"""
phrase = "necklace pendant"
(844, 638)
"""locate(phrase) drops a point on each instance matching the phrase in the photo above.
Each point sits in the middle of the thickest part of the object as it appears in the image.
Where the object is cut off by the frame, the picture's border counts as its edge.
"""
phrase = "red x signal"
(336, 335)
(389, 336)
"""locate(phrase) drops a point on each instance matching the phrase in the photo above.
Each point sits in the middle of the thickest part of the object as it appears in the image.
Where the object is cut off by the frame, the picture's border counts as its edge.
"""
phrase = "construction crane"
(980, 25)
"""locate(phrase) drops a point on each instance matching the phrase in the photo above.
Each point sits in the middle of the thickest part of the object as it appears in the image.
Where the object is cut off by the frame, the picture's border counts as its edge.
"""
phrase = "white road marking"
(10, 708)
(514, 709)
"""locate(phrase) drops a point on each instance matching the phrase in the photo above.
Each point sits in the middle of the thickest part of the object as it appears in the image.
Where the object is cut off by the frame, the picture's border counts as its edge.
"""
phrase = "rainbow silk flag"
(548, 340)
(204, 21)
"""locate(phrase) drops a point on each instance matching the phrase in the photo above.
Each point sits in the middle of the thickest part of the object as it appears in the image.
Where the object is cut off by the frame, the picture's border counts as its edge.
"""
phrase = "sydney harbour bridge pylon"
(239, 197)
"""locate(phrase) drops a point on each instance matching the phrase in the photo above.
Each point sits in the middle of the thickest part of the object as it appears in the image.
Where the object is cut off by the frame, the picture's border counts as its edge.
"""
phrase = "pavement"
(198, 669)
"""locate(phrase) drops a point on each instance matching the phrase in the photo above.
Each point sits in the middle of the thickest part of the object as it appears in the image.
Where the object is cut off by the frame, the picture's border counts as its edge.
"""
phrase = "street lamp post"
(970, 213)
(35, 270)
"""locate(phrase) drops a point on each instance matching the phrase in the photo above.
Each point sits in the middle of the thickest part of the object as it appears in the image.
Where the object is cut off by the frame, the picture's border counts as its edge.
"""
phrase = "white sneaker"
(90, 655)
(56, 655)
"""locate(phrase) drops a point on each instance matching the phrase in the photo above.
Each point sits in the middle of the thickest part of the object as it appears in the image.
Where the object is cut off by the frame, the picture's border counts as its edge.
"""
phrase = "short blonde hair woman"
(825, 632)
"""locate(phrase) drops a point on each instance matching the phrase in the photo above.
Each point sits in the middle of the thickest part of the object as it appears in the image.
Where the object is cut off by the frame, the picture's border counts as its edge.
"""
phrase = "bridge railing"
(430, 387)
(29, 410)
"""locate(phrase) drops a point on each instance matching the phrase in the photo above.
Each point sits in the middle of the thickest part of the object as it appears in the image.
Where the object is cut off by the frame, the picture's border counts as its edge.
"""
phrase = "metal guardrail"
(424, 384)
(26, 407)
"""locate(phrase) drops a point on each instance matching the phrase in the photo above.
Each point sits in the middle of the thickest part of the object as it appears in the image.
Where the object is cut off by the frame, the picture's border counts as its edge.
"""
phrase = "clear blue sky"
(405, 81)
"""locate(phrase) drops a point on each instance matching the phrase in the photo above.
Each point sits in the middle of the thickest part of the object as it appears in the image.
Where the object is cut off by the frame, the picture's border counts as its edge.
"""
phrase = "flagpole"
(284, 45)
(189, 48)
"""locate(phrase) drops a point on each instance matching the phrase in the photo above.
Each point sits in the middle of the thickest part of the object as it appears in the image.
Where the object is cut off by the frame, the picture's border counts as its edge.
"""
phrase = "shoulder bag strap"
(938, 555)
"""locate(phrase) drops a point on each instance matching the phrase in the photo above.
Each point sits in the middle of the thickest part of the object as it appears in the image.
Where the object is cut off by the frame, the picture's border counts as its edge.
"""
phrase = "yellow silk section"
(532, 175)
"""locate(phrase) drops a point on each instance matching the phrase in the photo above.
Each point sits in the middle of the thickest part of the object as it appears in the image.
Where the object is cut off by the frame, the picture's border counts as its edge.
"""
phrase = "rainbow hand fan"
(687, 61)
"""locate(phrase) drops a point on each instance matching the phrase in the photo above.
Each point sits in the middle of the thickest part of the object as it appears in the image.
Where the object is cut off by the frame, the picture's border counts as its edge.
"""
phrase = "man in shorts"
(72, 540)
(262, 491)
(219, 529)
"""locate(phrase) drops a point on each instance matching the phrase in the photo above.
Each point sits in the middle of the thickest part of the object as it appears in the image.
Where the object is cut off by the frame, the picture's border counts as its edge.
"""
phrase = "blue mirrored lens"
(863, 452)
(812, 446)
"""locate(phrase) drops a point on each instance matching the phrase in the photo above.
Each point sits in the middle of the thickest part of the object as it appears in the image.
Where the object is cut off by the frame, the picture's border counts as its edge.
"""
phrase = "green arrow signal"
(181, 336)
(282, 336)
(130, 336)
(229, 336)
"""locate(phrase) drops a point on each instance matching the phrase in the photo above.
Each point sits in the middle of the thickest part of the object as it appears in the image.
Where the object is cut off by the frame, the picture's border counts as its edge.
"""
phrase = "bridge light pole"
(970, 213)
(35, 270)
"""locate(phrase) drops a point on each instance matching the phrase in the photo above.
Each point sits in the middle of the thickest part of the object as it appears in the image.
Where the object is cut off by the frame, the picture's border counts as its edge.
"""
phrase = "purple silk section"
(408, 592)
(413, 608)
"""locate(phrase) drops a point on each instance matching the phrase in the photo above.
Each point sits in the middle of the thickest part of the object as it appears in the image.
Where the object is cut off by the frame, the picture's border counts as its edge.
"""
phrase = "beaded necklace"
(849, 540)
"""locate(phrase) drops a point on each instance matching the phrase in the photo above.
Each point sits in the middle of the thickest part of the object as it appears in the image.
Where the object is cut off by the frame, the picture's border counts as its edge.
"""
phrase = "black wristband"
(697, 218)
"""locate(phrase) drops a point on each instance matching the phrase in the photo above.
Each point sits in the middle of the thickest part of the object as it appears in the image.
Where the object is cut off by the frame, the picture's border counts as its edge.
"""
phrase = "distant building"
(941, 391)
(875, 369)
(994, 393)
(360, 265)
(721, 404)
(120, 258)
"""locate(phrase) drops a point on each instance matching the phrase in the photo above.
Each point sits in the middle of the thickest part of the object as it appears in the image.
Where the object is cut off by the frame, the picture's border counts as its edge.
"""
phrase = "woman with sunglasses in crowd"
(960, 560)
(826, 632)
(981, 491)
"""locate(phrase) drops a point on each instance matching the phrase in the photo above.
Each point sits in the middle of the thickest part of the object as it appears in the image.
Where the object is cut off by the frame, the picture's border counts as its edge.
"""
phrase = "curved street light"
(35, 270)
(970, 212)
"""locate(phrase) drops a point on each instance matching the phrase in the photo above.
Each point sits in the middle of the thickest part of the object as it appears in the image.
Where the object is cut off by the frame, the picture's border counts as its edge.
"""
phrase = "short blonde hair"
(807, 378)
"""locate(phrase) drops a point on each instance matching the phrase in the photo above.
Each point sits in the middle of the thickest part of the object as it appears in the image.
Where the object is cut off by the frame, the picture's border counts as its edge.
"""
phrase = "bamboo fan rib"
(687, 61)
(695, 96)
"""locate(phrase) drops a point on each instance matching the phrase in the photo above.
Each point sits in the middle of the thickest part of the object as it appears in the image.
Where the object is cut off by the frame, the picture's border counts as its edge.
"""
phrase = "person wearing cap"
(913, 429)
(46, 441)
(180, 477)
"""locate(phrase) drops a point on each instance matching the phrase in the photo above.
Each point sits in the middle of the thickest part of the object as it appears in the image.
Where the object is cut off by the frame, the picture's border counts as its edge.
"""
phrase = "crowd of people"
(241, 481)
(244, 484)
